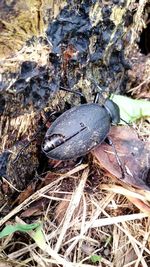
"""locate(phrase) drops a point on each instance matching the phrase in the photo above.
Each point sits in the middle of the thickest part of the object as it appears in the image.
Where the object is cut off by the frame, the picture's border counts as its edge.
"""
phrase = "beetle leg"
(79, 161)
(96, 98)
(83, 98)
(110, 142)
(125, 121)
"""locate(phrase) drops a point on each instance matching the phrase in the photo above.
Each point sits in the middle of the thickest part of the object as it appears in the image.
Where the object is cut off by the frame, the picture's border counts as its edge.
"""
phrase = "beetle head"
(113, 110)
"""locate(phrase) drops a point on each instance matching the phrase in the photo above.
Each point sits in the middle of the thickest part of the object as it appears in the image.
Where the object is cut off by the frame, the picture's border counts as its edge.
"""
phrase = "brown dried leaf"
(61, 209)
(36, 208)
(25, 194)
(133, 153)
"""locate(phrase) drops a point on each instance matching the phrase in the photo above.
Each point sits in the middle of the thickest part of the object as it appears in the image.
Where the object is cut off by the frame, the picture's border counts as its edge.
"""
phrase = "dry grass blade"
(37, 194)
(114, 220)
(82, 227)
(135, 244)
(87, 226)
(49, 250)
(146, 237)
(71, 208)
(122, 190)
(139, 197)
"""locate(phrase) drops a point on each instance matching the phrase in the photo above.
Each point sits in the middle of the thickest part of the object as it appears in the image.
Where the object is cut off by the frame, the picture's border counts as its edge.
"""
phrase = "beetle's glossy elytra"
(79, 130)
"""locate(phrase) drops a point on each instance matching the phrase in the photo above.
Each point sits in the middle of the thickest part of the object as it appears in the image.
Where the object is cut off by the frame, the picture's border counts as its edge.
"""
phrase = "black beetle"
(80, 129)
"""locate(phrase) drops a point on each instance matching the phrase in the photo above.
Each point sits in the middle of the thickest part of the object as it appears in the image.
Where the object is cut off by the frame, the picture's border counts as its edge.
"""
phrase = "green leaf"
(39, 238)
(9, 229)
(131, 109)
(95, 258)
(108, 240)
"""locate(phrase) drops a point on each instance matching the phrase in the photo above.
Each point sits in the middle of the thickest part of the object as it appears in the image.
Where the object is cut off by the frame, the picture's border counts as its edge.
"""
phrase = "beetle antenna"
(125, 121)
(83, 98)
(100, 89)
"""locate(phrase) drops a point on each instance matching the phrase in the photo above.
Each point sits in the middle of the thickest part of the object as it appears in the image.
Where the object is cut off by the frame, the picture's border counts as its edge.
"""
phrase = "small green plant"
(10, 229)
(95, 258)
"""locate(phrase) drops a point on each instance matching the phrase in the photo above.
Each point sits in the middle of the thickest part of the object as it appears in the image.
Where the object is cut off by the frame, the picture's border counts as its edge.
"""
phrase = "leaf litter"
(79, 223)
(134, 157)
